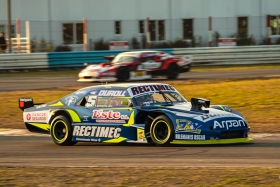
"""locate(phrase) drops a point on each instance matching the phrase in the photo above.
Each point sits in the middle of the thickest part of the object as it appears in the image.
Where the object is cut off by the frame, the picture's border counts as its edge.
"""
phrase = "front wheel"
(123, 74)
(161, 131)
(173, 71)
(61, 131)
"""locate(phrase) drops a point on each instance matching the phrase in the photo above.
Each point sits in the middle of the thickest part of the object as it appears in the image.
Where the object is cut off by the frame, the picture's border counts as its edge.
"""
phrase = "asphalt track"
(20, 148)
(40, 151)
(31, 83)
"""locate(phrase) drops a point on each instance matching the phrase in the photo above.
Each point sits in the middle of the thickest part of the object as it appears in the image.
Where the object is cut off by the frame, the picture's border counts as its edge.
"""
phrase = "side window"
(113, 102)
(146, 59)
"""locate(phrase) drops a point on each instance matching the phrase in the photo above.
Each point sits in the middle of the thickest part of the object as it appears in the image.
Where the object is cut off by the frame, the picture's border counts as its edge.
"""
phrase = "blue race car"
(153, 113)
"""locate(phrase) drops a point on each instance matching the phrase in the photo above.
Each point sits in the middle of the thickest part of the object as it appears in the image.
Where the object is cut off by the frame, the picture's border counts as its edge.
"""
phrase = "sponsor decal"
(97, 131)
(110, 121)
(85, 118)
(229, 124)
(109, 116)
(184, 125)
(150, 64)
(101, 106)
(36, 116)
(189, 137)
(112, 93)
(208, 117)
(89, 139)
(28, 117)
(71, 100)
(25, 100)
(93, 92)
(108, 74)
(41, 106)
(150, 88)
(140, 134)
(80, 92)
(83, 139)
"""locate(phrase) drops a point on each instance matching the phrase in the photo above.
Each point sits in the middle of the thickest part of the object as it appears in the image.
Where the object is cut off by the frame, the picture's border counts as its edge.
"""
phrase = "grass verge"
(118, 177)
(258, 100)
(74, 72)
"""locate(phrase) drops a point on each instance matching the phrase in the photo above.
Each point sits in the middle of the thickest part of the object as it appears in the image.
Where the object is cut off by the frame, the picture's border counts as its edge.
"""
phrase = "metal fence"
(203, 56)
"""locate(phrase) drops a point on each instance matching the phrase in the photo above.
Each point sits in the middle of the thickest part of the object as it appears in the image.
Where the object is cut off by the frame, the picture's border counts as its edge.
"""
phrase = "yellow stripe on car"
(222, 107)
(117, 140)
(130, 121)
(59, 103)
(220, 141)
(75, 117)
(45, 127)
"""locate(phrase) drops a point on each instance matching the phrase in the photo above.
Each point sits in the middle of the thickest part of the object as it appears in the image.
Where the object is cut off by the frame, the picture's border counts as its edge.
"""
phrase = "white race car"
(136, 65)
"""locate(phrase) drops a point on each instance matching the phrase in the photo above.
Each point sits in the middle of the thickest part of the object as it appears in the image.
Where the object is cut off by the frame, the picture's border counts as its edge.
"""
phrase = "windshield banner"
(139, 90)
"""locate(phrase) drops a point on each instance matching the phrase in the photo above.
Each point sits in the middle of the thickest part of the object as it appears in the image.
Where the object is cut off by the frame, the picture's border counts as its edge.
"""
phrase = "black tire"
(173, 71)
(162, 131)
(123, 74)
(61, 131)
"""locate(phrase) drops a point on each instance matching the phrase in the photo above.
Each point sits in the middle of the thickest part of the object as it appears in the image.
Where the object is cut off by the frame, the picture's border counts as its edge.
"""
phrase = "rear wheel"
(173, 71)
(161, 131)
(61, 131)
(123, 74)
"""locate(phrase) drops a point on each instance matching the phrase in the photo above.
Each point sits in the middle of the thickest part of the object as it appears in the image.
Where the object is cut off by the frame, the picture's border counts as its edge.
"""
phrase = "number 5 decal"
(91, 101)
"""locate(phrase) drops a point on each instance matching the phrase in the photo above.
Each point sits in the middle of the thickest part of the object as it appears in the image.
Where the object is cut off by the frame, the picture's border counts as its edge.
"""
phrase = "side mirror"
(197, 103)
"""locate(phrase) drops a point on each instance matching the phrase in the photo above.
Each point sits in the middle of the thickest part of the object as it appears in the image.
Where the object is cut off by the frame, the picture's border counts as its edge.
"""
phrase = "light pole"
(9, 24)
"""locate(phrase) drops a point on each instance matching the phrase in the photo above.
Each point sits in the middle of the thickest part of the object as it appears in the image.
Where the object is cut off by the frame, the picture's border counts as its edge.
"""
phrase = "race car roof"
(134, 89)
(141, 53)
(120, 85)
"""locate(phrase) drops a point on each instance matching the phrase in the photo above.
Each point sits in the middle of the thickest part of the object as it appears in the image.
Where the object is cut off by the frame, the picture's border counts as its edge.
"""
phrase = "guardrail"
(78, 59)
(200, 56)
(23, 61)
(51, 60)
(267, 54)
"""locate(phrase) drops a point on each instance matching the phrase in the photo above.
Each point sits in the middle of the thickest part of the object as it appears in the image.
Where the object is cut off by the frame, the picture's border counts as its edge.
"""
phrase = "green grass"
(146, 177)
(234, 67)
(258, 100)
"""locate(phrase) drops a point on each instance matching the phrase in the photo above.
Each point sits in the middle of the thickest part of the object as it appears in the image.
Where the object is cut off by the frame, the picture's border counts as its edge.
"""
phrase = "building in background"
(61, 22)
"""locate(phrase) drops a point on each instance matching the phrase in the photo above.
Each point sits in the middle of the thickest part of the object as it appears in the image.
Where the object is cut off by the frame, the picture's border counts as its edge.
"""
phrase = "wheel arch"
(167, 63)
(147, 117)
(71, 115)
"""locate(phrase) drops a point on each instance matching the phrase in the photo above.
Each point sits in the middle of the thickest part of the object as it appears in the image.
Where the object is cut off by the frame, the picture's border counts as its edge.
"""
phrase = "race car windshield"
(120, 59)
(159, 98)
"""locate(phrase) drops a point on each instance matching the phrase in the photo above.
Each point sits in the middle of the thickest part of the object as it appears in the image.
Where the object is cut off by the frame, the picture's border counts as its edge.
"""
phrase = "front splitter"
(219, 141)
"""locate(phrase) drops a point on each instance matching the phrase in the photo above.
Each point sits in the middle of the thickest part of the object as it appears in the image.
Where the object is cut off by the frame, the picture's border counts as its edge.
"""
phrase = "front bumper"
(185, 68)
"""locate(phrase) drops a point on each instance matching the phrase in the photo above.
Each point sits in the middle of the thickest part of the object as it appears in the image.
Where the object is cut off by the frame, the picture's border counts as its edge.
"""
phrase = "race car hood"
(97, 68)
(103, 67)
(203, 115)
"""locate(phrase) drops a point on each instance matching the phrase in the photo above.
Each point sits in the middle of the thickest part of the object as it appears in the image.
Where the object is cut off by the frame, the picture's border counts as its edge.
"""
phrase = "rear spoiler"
(197, 103)
(25, 103)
